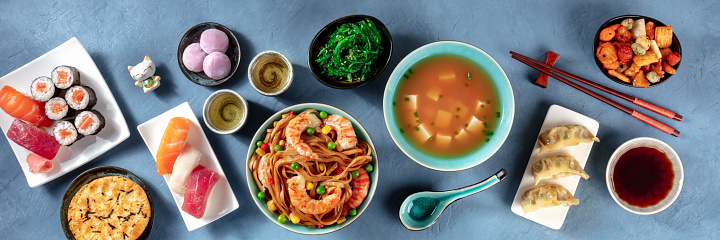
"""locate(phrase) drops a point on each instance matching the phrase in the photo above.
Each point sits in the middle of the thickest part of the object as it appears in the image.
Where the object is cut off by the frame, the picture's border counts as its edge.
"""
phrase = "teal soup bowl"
(440, 67)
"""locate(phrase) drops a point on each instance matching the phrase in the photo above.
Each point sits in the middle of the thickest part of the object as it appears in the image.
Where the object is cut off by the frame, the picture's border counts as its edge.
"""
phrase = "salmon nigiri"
(172, 144)
(18, 105)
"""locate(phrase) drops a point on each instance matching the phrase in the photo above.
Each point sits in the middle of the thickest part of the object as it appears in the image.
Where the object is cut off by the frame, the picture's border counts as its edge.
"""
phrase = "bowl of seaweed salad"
(350, 51)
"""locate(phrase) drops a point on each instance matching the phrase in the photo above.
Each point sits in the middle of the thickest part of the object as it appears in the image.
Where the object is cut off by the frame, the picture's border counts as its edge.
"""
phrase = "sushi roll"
(42, 89)
(65, 133)
(80, 97)
(65, 77)
(57, 108)
(89, 122)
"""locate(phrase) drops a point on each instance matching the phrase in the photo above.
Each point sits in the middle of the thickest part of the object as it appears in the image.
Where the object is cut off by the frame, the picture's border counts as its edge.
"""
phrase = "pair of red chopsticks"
(549, 70)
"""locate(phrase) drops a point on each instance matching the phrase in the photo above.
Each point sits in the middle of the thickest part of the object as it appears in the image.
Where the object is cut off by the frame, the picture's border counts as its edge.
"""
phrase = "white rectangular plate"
(222, 199)
(70, 53)
(553, 217)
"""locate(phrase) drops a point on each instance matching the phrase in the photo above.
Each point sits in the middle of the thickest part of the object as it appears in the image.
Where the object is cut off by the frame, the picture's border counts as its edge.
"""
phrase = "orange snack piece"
(623, 35)
(667, 68)
(640, 80)
(646, 59)
(650, 30)
(619, 75)
(663, 36)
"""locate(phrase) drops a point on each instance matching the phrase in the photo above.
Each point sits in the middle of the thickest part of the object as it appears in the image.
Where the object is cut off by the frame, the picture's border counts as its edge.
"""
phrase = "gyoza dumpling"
(548, 195)
(564, 136)
(555, 167)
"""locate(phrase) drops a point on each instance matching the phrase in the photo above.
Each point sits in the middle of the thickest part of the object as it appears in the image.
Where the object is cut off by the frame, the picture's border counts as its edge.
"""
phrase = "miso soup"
(446, 106)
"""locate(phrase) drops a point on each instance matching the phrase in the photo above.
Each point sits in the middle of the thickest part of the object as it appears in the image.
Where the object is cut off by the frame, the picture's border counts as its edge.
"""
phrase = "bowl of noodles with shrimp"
(312, 168)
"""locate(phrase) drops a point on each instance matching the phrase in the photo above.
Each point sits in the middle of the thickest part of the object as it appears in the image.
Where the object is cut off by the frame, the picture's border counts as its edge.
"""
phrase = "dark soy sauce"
(643, 176)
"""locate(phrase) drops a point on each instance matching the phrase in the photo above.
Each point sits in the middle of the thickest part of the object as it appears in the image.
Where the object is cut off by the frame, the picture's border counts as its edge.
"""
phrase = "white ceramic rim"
(677, 168)
(287, 62)
(207, 105)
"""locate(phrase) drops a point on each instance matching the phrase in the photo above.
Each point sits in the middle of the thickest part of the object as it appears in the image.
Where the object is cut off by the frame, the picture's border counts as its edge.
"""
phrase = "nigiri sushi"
(38, 164)
(186, 162)
(18, 105)
(33, 138)
(201, 182)
(172, 144)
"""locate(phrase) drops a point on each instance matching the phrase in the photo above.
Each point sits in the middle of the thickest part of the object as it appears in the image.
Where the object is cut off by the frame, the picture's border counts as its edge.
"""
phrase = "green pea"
(353, 212)
(282, 218)
(259, 143)
(311, 131)
(261, 195)
(369, 167)
(278, 148)
(331, 145)
(320, 190)
(323, 114)
(355, 174)
(294, 165)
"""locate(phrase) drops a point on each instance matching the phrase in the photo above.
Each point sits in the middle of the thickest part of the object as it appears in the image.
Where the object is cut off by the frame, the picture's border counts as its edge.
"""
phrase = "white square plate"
(553, 217)
(222, 199)
(70, 53)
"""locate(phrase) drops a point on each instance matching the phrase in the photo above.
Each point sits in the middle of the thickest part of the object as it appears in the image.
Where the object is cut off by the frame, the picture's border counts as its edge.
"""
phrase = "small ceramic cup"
(677, 179)
(270, 73)
(225, 111)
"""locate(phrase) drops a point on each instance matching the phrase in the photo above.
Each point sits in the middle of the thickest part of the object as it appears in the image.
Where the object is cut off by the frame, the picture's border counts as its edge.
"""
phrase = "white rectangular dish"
(554, 217)
(70, 53)
(222, 199)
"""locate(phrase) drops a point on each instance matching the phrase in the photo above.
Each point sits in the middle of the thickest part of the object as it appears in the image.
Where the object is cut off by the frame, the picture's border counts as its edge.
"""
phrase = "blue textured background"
(119, 34)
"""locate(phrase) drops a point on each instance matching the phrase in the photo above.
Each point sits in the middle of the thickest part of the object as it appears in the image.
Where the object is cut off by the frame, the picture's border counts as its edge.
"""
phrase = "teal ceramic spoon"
(421, 210)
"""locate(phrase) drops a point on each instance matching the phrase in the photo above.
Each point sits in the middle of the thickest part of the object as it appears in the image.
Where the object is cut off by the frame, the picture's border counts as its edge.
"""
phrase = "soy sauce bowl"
(321, 39)
(677, 179)
(675, 47)
(193, 36)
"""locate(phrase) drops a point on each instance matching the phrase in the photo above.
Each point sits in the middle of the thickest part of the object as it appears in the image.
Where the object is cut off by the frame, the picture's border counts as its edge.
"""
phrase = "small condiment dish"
(270, 64)
(227, 109)
(677, 179)
(321, 38)
(193, 36)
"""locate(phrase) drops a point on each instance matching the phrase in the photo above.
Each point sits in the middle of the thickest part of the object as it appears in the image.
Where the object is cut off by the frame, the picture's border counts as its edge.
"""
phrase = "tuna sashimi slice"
(18, 105)
(38, 164)
(172, 144)
(33, 138)
(199, 185)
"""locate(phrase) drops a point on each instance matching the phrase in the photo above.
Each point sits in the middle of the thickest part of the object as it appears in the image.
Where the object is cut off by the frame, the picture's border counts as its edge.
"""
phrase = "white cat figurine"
(143, 74)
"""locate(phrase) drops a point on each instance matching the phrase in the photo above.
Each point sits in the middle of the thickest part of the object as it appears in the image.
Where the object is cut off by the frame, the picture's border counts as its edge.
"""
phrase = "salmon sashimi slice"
(197, 191)
(18, 105)
(33, 138)
(172, 144)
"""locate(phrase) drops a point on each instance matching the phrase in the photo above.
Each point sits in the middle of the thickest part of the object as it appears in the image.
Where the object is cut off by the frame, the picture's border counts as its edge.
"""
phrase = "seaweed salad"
(351, 51)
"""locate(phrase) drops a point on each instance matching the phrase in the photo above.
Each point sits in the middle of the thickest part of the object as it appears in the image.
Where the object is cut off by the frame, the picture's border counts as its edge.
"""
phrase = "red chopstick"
(642, 117)
(634, 100)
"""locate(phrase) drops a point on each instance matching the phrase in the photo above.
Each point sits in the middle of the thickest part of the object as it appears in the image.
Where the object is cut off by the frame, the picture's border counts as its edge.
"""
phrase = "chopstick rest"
(550, 59)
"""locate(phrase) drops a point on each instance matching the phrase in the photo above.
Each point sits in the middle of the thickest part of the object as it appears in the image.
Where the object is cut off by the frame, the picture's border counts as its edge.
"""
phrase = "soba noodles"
(333, 169)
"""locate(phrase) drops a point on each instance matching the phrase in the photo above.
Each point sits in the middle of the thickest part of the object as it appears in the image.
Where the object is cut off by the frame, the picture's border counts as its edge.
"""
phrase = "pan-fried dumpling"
(548, 195)
(564, 136)
(555, 167)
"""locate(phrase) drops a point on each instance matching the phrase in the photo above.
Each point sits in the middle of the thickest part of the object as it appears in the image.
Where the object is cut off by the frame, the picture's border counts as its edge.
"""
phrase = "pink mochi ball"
(216, 65)
(213, 40)
(193, 57)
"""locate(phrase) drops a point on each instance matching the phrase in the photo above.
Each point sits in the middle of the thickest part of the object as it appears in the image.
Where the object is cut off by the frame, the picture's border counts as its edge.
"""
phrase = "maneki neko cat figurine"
(143, 74)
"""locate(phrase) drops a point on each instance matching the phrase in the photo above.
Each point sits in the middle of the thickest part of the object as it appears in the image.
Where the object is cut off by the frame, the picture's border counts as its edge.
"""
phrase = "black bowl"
(321, 38)
(193, 36)
(675, 47)
(87, 177)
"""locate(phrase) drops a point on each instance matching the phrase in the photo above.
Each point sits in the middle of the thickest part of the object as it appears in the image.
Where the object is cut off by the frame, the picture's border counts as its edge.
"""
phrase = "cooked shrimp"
(346, 134)
(360, 186)
(301, 200)
(263, 170)
(296, 127)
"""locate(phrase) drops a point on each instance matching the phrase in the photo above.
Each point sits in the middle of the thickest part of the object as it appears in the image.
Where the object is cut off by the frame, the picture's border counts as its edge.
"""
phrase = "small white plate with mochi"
(554, 217)
(221, 200)
(71, 53)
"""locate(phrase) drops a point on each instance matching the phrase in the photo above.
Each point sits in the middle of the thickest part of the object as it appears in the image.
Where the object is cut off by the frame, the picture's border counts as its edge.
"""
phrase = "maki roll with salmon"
(42, 89)
(65, 133)
(57, 108)
(89, 122)
(65, 77)
(80, 97)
